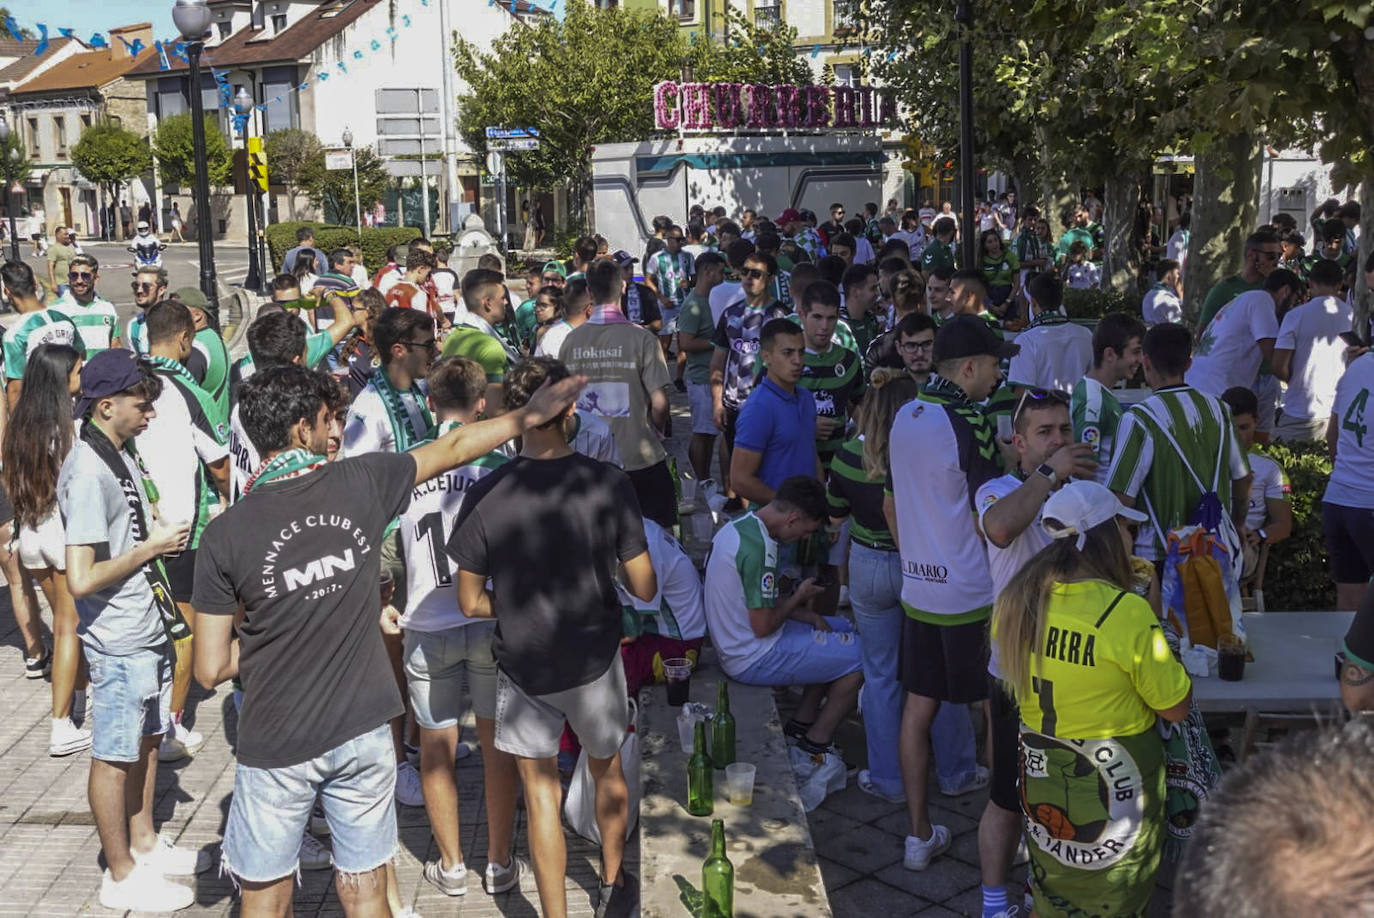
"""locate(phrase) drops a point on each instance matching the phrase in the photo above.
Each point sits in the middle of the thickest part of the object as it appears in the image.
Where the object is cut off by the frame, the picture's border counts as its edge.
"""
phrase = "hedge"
(1298, 576)
(1095, 303)
(281, 238)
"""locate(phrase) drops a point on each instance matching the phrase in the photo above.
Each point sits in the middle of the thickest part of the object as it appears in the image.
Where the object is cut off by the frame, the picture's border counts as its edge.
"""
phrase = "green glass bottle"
(722, 728)
(701, 793)
(718, 877)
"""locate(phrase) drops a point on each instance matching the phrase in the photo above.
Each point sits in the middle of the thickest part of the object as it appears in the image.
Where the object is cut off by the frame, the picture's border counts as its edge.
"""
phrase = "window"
(845, 75)
(282, 109)
(33, 138)
(847, 14)
(769, 15)
(85, 123)
(59, 134)
(683, 9)
(226, 27)
(278, 22)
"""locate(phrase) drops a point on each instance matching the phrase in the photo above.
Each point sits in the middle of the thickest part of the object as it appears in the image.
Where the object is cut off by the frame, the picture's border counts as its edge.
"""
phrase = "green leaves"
(174, 147)
(332, 189)
(111, 155)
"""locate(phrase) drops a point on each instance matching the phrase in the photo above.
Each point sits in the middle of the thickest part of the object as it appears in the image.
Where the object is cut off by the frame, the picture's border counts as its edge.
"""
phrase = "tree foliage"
(174, 147)
(332, 189)
(589, 80)
(289, 150)
(14, 168)
(111, 155)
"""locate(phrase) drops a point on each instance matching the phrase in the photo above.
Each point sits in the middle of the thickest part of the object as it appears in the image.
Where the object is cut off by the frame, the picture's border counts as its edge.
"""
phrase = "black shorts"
(731, 419)
(1349, 542)
(657, 493)
(945, 662)
(1005, 740)
(181, 574)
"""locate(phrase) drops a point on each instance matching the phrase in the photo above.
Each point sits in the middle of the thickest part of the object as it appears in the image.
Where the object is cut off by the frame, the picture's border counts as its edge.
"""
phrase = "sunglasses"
(429, 345)
(754, 272)
(1038, 395)
(142, 288)
(80, 275)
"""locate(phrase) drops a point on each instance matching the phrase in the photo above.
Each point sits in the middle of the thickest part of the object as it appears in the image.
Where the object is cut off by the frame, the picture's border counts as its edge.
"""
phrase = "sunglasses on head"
(1037, 395)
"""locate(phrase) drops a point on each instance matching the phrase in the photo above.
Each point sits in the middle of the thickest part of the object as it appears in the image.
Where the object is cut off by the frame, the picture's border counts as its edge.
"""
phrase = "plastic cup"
(739, 779)
(685, 726)
(1230, 658)
(677, 672)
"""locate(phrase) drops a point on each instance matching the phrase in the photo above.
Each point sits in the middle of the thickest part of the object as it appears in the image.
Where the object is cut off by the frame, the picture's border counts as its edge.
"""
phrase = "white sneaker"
(314, 856)
(408, 792)
(144, 890)
(66, 737)
(171, 861)
(977, 780)
(920, 852)
(319, 826)
(179, 743)
(866, 785)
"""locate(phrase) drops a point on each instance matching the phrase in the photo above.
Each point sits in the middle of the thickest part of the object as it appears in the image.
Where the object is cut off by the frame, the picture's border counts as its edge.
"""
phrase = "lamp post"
(963, 14)
(13, 157)
(192, 18)
(243, 104)
(357, 201)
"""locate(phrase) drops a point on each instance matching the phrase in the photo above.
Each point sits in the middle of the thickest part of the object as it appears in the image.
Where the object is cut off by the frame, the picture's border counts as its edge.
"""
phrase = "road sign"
(525, 143)
(257, 163)
(495, 163)
(338, 159)
(500, 133)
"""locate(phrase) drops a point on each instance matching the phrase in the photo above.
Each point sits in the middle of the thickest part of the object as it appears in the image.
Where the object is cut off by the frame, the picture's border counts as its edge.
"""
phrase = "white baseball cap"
(1080, 506)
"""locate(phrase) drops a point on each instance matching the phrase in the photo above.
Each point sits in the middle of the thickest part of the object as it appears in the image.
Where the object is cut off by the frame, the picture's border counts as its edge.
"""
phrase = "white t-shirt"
(553, 339)
(1176, 249)
(863, 251)
(245, 459)
(1312, 332)
(368, 428)
(1269, 484)
(741, 574)
(1352, 474)
(446, 284)
(172, 457)
(593, 438)
(678, 610)
(389, 279)
(1005, 563)
(1228, 353)
(1161, 305)
(1084, 276)
(722, 296)
(1055, 354)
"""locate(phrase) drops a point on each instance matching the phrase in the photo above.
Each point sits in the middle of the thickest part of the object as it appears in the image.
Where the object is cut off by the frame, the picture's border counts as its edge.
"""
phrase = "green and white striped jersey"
(836, 380)
(1146, 466)
(1096, 417)
(96, 321)
(24, 333)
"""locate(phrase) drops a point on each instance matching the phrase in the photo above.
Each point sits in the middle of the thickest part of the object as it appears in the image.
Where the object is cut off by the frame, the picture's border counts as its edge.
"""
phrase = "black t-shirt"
(549, 533)
(640, 304)
(883, 352)
(303, 556)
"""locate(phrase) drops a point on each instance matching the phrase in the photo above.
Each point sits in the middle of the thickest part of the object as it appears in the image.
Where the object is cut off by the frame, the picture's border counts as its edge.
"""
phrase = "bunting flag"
(42, 41)
(18, 35)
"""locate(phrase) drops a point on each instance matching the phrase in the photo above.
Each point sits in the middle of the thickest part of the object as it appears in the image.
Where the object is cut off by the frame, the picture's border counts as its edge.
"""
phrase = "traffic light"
(257, 163)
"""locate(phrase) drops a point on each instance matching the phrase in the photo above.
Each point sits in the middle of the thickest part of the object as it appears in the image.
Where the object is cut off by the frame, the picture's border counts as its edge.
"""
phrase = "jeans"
(875, 593)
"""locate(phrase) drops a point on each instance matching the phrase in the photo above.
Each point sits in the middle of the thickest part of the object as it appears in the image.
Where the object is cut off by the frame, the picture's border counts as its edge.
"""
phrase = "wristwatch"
(1048, 472)
(1264, 536)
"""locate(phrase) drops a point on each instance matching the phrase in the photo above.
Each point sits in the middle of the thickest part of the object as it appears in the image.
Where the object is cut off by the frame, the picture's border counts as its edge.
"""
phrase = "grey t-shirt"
(123, 618)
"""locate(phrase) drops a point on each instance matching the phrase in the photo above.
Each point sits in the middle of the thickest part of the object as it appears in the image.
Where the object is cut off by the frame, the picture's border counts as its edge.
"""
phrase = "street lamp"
(9, 193)
(243, 104)
(357, 201)
(963, 14)
(192, 18)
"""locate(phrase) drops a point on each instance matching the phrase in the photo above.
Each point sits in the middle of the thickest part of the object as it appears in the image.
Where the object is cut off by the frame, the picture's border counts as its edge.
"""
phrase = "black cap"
(623, 258)
(970, 336)
(107, 373)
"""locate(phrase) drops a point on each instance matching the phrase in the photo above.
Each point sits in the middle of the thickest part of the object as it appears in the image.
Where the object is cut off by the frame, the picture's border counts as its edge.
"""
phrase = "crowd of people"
(921, 503)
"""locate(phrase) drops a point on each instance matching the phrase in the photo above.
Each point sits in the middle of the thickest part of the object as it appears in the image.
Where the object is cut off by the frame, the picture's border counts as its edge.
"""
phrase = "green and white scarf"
(402, 431)
(293, 463)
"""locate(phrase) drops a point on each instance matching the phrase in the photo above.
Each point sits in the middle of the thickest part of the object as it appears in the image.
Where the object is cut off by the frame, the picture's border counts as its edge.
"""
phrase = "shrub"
(1096, 303)
(281, 237)
(1298, 576)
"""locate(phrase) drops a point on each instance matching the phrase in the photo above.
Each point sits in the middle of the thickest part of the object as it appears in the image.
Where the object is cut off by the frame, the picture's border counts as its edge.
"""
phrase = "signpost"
(338, 160)
(501, 140)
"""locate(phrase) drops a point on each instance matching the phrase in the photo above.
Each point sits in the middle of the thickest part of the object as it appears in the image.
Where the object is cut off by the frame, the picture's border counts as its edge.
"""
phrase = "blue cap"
(107, 373)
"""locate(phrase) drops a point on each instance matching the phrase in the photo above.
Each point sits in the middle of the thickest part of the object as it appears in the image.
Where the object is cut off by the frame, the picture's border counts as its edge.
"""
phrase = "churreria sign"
(760, 107)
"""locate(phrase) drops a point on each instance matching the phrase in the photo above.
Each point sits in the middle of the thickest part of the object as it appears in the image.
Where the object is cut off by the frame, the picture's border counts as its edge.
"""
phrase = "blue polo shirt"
(781, 426)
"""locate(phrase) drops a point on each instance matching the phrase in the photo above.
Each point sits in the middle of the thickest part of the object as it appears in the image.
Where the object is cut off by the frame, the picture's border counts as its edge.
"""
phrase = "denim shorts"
(804, 656)
(435, 663)
(132, 698)
(356, 783)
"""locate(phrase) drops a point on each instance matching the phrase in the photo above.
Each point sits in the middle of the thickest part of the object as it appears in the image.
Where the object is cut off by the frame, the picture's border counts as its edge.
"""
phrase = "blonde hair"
(888, 391)
(1018, 617)
(906, 287)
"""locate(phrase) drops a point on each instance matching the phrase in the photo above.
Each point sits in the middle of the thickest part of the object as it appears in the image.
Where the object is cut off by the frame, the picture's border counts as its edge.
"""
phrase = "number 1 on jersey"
(431, 529)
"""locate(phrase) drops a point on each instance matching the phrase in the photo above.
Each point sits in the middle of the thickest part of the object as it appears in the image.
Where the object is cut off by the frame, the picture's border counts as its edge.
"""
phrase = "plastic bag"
(579, 809)
(818, 776)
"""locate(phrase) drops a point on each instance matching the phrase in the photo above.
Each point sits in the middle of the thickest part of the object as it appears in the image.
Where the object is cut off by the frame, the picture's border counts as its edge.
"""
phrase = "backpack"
(1200, 582)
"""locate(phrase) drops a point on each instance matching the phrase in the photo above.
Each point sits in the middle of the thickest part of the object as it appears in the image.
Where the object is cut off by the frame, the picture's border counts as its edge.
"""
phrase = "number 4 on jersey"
(1354, 417)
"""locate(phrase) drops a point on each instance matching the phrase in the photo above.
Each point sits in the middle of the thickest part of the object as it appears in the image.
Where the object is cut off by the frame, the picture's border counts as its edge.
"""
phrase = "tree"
(332, 189)
(13, 168)
(111, 155)
(24, 31)
(174, 146)
(289, 150)
(752, 54)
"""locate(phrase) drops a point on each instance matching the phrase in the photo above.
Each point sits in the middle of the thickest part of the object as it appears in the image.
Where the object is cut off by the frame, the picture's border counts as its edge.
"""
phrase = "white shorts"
(703, 408)
(45, 546)
(530, 726)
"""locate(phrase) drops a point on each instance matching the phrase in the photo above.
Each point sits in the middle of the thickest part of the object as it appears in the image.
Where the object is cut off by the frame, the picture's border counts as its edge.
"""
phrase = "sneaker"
(449, 882)
(794, 730)
(413, 754)
(618, 901)
(974, 781)
(920, 852)
(1011, 911)
(66, 737)
(179, 743)
(462, 751)
(498, 879)
(408, 792)
(319, 826)
(407, 912)
(313, 855)
(171, 861)
(38, 667)
(844, 597)
(866, 785)
(144, 890)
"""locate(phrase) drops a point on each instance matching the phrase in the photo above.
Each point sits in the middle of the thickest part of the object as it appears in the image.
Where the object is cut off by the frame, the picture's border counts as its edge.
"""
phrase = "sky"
(87, 16)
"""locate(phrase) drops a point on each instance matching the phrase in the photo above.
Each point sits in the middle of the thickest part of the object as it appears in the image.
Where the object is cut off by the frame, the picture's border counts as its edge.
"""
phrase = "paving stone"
(943, 880)
(865, 849)
(868, 898)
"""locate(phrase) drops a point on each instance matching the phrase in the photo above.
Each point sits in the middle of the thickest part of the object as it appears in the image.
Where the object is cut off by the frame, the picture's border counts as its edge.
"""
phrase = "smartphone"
(1352, 339)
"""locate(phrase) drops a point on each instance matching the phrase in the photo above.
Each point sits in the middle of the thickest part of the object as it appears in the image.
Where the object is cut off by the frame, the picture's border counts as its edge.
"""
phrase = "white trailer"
(634, 182)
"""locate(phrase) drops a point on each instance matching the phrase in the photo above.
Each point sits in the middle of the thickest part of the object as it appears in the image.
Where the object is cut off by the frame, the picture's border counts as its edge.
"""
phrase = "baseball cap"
(969, 336)
(107, 373)
(1080, 506)
(190, 297)
(788, 215)
(555, 267)
(623, 258)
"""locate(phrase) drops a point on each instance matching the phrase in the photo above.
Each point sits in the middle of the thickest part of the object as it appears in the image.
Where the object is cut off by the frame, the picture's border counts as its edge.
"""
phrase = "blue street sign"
(522, 133)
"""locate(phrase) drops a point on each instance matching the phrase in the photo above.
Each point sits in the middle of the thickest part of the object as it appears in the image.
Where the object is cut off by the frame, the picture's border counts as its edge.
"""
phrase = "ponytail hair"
(888, 391)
